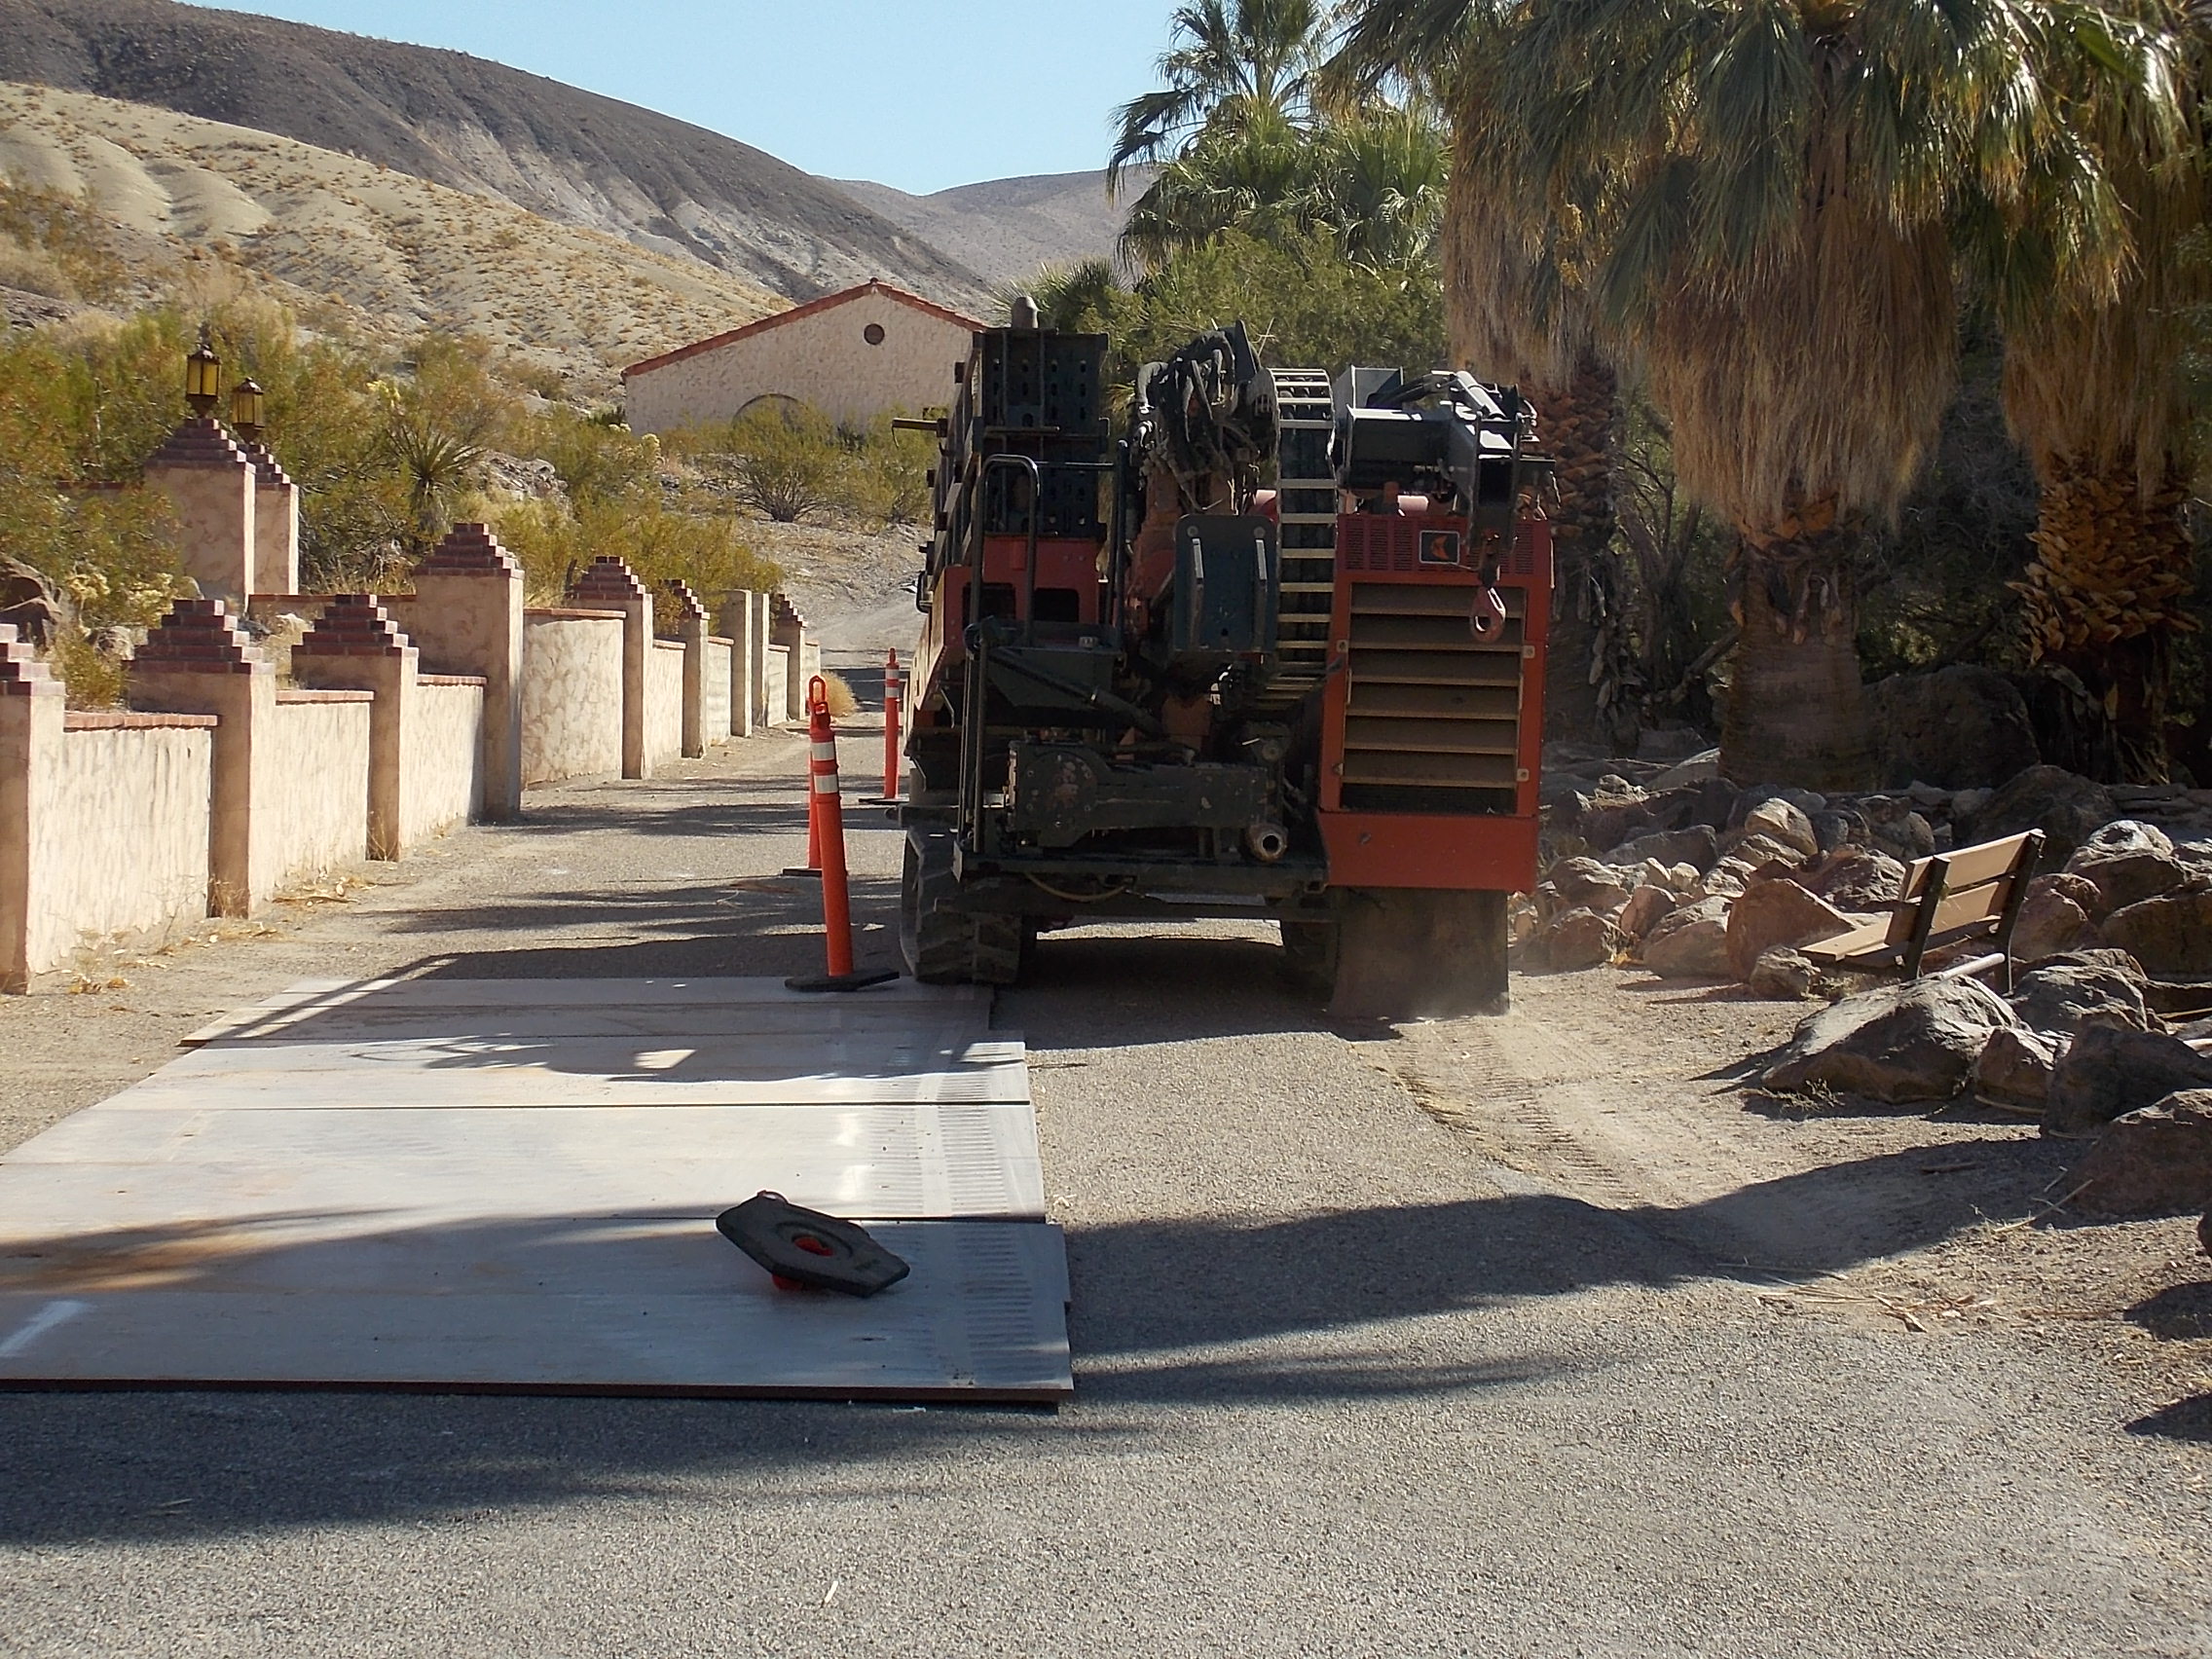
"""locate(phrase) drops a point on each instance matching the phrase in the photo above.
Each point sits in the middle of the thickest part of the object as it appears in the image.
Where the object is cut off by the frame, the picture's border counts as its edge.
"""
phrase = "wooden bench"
(1972, 893)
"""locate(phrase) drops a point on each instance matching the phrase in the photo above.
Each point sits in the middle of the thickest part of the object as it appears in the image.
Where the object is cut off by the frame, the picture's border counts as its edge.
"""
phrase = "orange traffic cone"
(828, 815)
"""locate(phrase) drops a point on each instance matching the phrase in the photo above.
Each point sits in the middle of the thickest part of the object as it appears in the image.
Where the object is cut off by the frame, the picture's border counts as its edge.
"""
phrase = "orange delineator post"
(894, 693)
(828, 815)
(828, 812)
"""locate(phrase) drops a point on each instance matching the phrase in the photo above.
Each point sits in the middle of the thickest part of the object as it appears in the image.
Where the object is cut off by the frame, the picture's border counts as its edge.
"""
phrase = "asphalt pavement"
(1344, 1387)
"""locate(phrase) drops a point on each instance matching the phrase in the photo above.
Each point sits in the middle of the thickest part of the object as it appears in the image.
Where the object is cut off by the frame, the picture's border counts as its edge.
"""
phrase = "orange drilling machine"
(1275, 649)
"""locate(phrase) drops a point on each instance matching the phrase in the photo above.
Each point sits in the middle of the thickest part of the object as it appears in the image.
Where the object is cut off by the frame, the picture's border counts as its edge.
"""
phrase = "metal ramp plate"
(490, 1185)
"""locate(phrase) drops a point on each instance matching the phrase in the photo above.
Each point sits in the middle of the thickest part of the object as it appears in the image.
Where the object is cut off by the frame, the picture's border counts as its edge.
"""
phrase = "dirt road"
(1524, 1337)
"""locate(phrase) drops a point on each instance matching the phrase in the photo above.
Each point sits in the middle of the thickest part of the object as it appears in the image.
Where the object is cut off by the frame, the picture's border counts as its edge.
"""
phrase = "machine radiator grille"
(1432, 714)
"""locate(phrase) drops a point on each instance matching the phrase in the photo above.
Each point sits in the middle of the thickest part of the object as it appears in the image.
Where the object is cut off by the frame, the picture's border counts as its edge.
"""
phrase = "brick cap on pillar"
(202, 441)
(353, 625)
(199, 636)
(267, 473)
(608, 581)
(469, 550)
(22, 674)
(683, 604)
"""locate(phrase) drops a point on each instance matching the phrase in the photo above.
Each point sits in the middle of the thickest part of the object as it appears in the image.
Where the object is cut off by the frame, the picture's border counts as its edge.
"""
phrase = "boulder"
(1772, 913)
(2154, 1162)
(2171, 935)
(1966, 802)
(2052, 918)
(1856, 878)
(1892, 826)
(2062, 996)
(1587, 884)
(1695, 845)
(1956, 728)
(1724, 880)
(2110, 1071)
(2066, 807)
(1647, 906)
(2127, 863)
(1573, 940)
(1833, 829)
(1897, 1044)
(1785, 822)
(1672, 745)
(2014, 1069)
(1783, 974)
(1691, 942)
(1701, 767)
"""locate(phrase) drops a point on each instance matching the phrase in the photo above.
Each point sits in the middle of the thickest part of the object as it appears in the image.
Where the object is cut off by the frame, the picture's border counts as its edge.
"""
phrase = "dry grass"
(843, 705)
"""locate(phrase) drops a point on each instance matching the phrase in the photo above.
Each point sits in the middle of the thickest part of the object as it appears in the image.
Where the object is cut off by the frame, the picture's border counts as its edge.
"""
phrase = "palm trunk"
(2103, 597)
(1795, 712)
(1579, 426)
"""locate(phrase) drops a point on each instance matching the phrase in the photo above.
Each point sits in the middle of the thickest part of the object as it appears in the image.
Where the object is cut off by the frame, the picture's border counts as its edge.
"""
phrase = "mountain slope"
(458, 121)
(1006, 229)
(397, 251)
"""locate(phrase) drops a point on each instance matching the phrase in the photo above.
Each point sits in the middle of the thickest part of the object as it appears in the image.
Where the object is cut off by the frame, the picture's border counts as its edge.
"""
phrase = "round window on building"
(872, 334)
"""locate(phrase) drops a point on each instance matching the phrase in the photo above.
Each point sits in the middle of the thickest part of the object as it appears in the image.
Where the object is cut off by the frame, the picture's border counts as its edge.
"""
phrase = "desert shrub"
(554, 543)
(596, 461)
(55, 244)
(886, 474)
(786, 460)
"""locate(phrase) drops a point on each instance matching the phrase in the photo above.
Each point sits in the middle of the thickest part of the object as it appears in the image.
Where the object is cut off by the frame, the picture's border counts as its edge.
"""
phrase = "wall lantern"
(204, 376)
(247, 400)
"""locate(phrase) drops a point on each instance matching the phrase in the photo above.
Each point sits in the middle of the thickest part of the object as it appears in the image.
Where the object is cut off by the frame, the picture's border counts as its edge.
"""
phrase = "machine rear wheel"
(1409, 953)
(1310, 956)
(942, 946)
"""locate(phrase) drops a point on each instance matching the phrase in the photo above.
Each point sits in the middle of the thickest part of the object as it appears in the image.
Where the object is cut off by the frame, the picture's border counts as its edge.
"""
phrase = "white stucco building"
(853, 354)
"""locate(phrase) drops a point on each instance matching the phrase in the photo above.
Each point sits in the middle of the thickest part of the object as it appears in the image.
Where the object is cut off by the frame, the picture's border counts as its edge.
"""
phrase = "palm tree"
(1768, 195)
(1517, 311)
(1235, 61)
(2095, 338)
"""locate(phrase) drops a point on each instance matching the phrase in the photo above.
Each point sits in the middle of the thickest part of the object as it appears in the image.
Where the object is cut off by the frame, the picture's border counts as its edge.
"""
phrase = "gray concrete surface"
(1344, 1386)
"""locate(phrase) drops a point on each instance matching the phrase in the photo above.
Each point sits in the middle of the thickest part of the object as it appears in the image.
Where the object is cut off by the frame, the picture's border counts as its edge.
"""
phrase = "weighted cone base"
(859, 981)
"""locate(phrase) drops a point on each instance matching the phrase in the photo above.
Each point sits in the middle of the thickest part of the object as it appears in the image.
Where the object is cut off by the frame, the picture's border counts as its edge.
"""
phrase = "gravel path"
(1469, 1341)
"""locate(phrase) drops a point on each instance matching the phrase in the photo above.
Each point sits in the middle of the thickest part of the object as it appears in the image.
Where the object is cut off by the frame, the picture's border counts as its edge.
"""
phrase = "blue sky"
(918, 93)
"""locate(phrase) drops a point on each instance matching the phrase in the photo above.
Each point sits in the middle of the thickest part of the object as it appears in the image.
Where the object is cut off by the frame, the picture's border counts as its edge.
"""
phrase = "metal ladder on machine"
(1304, 411)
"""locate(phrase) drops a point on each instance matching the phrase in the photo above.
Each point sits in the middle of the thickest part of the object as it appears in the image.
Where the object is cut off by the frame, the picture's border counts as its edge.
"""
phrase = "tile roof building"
(866, 351)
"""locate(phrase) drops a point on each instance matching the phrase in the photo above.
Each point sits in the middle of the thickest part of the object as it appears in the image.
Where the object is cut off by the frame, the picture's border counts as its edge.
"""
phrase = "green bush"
(659, 544)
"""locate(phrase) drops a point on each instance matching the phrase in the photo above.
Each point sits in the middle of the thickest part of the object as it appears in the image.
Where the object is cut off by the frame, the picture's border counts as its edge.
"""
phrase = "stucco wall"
(779, 680)
(122, 845)
(318, 782)
(713, 692)
(571, 695)
(445, 758)
(213, 532)
(664, 701)
(824, 360)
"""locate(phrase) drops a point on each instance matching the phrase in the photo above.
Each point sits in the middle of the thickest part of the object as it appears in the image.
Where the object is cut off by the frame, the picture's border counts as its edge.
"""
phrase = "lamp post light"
(204, 376)
(247, 400)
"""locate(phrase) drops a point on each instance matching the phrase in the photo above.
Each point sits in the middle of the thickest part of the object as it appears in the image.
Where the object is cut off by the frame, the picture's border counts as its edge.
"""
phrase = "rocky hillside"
(480, 127)
(194, 201)
(1005, 230)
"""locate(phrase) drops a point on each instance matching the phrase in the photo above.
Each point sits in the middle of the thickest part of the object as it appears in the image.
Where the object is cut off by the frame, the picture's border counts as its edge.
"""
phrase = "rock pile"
(1674, 866)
